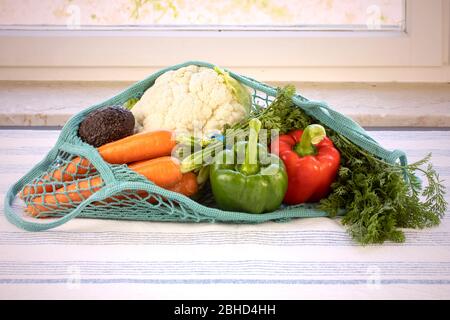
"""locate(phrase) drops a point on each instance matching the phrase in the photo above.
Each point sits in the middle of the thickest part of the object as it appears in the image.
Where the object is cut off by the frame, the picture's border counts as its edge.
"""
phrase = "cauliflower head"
(194, 100)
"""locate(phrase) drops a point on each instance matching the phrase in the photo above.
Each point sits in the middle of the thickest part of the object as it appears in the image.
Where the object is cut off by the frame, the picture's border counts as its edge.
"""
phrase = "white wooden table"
(305, 258)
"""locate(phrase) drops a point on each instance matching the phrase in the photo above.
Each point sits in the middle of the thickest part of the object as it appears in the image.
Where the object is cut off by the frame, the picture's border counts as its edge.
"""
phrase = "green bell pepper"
(247, 178)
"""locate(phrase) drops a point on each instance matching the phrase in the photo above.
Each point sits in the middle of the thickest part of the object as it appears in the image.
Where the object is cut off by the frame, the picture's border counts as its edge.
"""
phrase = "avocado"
(106, 125)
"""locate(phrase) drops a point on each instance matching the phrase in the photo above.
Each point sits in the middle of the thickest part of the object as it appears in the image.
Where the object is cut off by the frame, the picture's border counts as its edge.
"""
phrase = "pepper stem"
(250, 165)
(312, 135)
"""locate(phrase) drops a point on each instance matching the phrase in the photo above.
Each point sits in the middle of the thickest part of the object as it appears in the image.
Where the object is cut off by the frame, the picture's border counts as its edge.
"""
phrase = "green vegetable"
(129, 104)
(256, 185)
(240, 93)
(197, 159)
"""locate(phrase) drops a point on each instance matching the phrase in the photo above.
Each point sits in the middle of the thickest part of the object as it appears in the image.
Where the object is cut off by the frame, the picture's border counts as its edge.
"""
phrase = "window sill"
(371, 105)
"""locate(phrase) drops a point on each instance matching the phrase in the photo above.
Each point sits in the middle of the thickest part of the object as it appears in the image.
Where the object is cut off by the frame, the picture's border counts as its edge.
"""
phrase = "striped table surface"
(301, 259)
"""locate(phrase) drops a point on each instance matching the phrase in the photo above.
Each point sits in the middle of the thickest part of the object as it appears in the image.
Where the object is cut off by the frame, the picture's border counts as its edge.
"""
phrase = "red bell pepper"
(311, 162)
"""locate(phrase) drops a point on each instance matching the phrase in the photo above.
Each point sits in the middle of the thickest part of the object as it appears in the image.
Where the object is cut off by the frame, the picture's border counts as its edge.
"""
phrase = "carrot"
(75, 167)
(164, 172)
(187, 186)
(64, 197)
(142, 146)
(48, 182)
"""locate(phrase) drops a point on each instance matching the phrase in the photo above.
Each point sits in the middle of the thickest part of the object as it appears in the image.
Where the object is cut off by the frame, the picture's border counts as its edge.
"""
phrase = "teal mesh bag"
(108, 191)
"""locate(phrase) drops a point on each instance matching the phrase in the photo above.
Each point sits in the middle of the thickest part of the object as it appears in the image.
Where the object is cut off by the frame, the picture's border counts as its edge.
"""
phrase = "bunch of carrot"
(146, 153)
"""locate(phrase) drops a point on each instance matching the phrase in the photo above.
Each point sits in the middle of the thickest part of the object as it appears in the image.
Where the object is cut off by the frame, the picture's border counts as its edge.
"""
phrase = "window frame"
(421, 45)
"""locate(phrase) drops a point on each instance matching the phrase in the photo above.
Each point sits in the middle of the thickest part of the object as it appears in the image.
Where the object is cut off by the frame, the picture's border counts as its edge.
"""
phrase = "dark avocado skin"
(106, 125)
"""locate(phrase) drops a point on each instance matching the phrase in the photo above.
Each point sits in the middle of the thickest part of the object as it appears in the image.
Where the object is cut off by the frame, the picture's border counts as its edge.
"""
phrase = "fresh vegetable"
(144, 146)
(129, 104)
(138, 147)
(50, 181)
(238, 90)
(188, 185)
(311, 162)
(164, 172)
(192, 99)
(256, 185)
(65, 197)
(106, 125)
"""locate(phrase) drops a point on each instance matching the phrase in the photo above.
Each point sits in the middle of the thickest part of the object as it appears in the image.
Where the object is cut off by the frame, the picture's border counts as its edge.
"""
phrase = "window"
(206, 14)
(272, 40)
